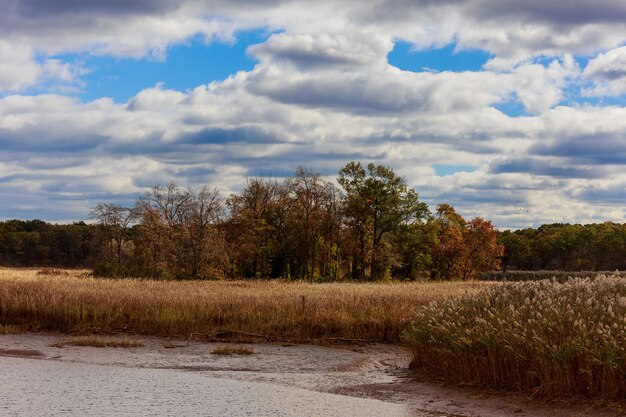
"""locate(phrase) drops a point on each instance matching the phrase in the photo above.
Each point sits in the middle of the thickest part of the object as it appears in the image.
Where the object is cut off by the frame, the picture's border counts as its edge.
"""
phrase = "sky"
(513, 111)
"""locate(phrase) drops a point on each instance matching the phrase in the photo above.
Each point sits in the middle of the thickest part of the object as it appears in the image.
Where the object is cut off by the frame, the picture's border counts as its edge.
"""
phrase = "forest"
(370, 227)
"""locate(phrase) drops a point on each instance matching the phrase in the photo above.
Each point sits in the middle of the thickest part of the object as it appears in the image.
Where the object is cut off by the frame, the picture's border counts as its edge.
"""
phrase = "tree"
(162, 212)
(311, 208)
(517, 250)
(115, 222)
(480, 251)
(447, 245)
(377, 202)
(463, 250)
(250, 227)
(202, 215)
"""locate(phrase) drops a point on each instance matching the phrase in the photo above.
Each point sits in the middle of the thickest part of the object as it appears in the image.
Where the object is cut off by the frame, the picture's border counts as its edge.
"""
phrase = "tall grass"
(542, 337)
(277, 310)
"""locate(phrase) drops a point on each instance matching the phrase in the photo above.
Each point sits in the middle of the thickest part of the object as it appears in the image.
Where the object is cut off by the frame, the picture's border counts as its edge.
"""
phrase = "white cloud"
(322, 94)
(608, 72)
(513, 31)
(324, 50)
(18, 69)
(540, 88)
(217, 133)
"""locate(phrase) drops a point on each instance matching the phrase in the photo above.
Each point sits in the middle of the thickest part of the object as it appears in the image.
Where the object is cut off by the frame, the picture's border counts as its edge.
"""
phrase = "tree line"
(368, 225)
(566, 247)
(37, 243)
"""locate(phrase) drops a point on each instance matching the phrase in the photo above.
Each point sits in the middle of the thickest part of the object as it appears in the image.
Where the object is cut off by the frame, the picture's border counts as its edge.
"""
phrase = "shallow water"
(32, 387)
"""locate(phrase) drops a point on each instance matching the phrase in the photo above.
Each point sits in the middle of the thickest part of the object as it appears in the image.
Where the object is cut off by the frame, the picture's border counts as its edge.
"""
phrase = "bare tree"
(115, 221)
(202, 216)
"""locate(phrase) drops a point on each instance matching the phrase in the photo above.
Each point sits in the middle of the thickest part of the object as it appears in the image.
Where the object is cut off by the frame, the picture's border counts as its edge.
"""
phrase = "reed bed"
(545, 338)
(234, 310)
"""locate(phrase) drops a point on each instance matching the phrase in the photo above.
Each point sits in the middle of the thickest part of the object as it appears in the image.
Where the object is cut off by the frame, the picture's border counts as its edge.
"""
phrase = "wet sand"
(276, 379)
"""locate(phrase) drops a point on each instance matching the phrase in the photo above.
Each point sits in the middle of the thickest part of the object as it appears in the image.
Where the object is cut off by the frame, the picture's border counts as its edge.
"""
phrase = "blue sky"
(446, 58)
(184, 67)
(513, 112)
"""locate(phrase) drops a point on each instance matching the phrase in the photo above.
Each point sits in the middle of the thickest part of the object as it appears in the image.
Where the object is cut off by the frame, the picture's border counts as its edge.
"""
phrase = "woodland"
(368, 225)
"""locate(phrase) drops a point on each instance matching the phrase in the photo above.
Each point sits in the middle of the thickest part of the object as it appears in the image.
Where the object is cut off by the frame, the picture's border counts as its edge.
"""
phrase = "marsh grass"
(231, 350)
(545, 338)
(97, 341)
(52, 271)
(282, 311)
(10, 329)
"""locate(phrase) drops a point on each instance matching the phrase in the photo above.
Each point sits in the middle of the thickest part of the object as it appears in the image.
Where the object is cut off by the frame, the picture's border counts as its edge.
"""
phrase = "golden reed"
(279, 310)
(542, 337)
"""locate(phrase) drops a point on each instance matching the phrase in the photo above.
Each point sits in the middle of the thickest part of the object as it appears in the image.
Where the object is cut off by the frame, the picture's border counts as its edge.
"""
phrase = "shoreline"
(371, 371)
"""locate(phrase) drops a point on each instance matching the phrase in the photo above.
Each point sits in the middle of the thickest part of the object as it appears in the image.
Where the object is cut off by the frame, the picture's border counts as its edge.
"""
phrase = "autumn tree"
(202, 216)
(312, 223)
(448, 227)
(115, 222)
(463, 250)
(162, 215)
(250, 227)
(481, 250)
(377, 201)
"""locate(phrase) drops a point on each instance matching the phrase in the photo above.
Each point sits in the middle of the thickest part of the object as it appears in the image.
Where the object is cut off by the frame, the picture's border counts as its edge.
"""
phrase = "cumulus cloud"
(216, 134)
(587, 135)
(323, 50)
(286, 74)
(511, 30)
(544, 167)
(322, 93)
(540, 87)
(18, 69)
(608, 72)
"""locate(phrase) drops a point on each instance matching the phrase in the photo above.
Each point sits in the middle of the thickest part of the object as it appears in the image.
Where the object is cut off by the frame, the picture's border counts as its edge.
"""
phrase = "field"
(75, 303)
(545, 338)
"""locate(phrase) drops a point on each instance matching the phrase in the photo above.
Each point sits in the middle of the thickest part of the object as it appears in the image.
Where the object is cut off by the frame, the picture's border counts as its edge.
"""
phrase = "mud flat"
(43, 375)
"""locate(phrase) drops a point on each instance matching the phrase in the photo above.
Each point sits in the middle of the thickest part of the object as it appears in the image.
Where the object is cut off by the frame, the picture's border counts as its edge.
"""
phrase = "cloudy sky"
(510, 110)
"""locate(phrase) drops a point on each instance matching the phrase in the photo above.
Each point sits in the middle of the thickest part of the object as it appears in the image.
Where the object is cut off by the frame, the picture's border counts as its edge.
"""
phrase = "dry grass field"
(545, 338)
(214, 310)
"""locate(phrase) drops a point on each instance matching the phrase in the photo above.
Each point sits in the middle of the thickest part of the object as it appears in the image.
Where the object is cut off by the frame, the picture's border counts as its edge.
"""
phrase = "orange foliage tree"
(463, 250)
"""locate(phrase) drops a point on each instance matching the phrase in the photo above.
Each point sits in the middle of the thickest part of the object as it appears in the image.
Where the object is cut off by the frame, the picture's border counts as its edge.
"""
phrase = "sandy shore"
(366, 371)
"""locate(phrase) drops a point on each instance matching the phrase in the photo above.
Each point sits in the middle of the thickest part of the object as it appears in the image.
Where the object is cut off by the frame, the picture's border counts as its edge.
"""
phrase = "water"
(32, 387)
